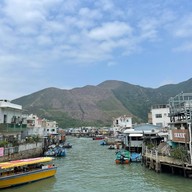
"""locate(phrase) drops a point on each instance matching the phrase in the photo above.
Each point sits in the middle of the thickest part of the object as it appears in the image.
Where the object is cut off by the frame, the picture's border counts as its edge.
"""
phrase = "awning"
(135, 135)
(23, 162)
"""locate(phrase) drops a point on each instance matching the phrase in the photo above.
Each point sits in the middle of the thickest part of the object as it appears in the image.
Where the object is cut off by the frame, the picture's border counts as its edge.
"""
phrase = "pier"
(160, 163)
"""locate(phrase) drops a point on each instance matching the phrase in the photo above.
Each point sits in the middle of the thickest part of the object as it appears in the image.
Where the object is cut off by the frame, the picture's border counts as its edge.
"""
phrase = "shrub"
(179, 152)
(3, 143)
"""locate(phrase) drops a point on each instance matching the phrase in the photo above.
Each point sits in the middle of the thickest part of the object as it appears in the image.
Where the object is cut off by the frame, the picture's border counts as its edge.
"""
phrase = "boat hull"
(122, 162)
(98, 138)
(122, 157)
(26, 177)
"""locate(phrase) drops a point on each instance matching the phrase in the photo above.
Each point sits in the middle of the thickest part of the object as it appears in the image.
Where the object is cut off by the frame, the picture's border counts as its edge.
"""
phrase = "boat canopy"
(23, 162)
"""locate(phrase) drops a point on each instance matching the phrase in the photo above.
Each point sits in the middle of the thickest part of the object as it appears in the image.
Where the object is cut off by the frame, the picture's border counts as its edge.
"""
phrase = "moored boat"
(67, 145)
(23, 171)
(98, 137)
(102, 142)
(111, 147)
(55, 151)
(136, 157)
(122, 157)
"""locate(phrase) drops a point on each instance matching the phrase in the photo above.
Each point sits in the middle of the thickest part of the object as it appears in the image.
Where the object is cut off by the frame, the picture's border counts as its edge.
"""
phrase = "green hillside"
(97, 105)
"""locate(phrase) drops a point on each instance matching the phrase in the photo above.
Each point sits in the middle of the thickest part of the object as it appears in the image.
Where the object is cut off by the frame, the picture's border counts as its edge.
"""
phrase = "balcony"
(12, 128)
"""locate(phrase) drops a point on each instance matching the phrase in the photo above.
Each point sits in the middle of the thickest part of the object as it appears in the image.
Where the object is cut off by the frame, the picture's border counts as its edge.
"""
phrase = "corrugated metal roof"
(146, 127)
(135, 135)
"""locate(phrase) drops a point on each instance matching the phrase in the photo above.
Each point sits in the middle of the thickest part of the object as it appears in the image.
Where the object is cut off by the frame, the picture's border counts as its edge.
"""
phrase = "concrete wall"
(25, 151)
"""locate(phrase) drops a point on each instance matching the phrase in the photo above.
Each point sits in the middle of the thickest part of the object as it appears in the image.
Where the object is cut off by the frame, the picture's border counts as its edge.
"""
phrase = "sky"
(74, 43)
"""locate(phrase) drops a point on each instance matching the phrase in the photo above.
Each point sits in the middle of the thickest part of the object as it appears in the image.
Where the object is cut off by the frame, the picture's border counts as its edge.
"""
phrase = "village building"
(41, 126)
(12, 123)
(159, 115)
(174, 154)
(121, 123)
(11, 115)
(180, 132)
(142, 135)
(24, 135)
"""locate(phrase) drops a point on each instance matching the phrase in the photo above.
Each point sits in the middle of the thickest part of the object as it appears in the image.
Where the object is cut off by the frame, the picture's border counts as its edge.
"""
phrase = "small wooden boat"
(22, 171)
(122, 157)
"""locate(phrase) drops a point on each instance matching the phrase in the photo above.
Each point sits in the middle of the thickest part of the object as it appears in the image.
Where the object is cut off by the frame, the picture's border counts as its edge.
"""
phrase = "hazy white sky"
(73, 43)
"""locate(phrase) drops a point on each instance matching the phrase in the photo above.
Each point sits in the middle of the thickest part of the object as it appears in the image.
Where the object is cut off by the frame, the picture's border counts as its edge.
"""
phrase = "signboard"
(180, 135)
(1, 151)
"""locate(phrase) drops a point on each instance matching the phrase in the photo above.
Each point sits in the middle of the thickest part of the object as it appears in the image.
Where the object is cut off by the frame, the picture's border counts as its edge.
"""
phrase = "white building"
(51, 128)
(41, 127)
(160, 115)
(33, 121)
(121, 123)
(10, 113)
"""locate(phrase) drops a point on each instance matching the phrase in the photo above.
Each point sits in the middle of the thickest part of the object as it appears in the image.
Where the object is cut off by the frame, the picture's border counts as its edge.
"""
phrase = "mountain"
(97, 105)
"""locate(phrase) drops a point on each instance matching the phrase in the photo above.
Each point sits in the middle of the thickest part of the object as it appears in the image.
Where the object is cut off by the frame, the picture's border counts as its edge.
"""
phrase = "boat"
(98, 137)
(102, 142)
(60, 152)
(136, 157)
(55, 151)
(13, 173)
(49, 153)
(67, 145)
(122, 157)
(111, 147)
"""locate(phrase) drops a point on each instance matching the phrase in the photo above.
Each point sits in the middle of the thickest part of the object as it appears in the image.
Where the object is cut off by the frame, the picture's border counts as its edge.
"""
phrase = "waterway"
(90, 167)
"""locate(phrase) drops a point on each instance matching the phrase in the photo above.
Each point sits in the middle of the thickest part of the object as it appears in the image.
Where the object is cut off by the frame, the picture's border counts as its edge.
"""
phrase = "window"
(158, 115)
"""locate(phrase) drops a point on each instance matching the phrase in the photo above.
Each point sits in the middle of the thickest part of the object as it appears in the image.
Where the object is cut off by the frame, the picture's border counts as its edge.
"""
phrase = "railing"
(154, 155)
(12, 127)
(11, 150)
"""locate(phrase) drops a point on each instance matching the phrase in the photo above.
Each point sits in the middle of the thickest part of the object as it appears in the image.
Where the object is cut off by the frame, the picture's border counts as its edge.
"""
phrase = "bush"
(150, 145)
(179, 152)
(32, 139)
(3, 143)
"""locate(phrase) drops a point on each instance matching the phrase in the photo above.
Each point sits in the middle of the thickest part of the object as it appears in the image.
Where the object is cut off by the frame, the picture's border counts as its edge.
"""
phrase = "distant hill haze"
(97, 105)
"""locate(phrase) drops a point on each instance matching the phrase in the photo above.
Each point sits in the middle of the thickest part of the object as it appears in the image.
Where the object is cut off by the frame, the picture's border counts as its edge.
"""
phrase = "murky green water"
(89, 167)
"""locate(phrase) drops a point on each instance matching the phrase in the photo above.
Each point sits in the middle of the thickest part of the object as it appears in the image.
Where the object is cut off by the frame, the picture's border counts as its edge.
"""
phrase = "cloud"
(110, 30)
(186, 47)
(149, 28)
(106, 5)
(75, 31)
(41, 37)
(111, 63)
(88, 13)
(184, 27)
(23, 12)
(47, 32)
